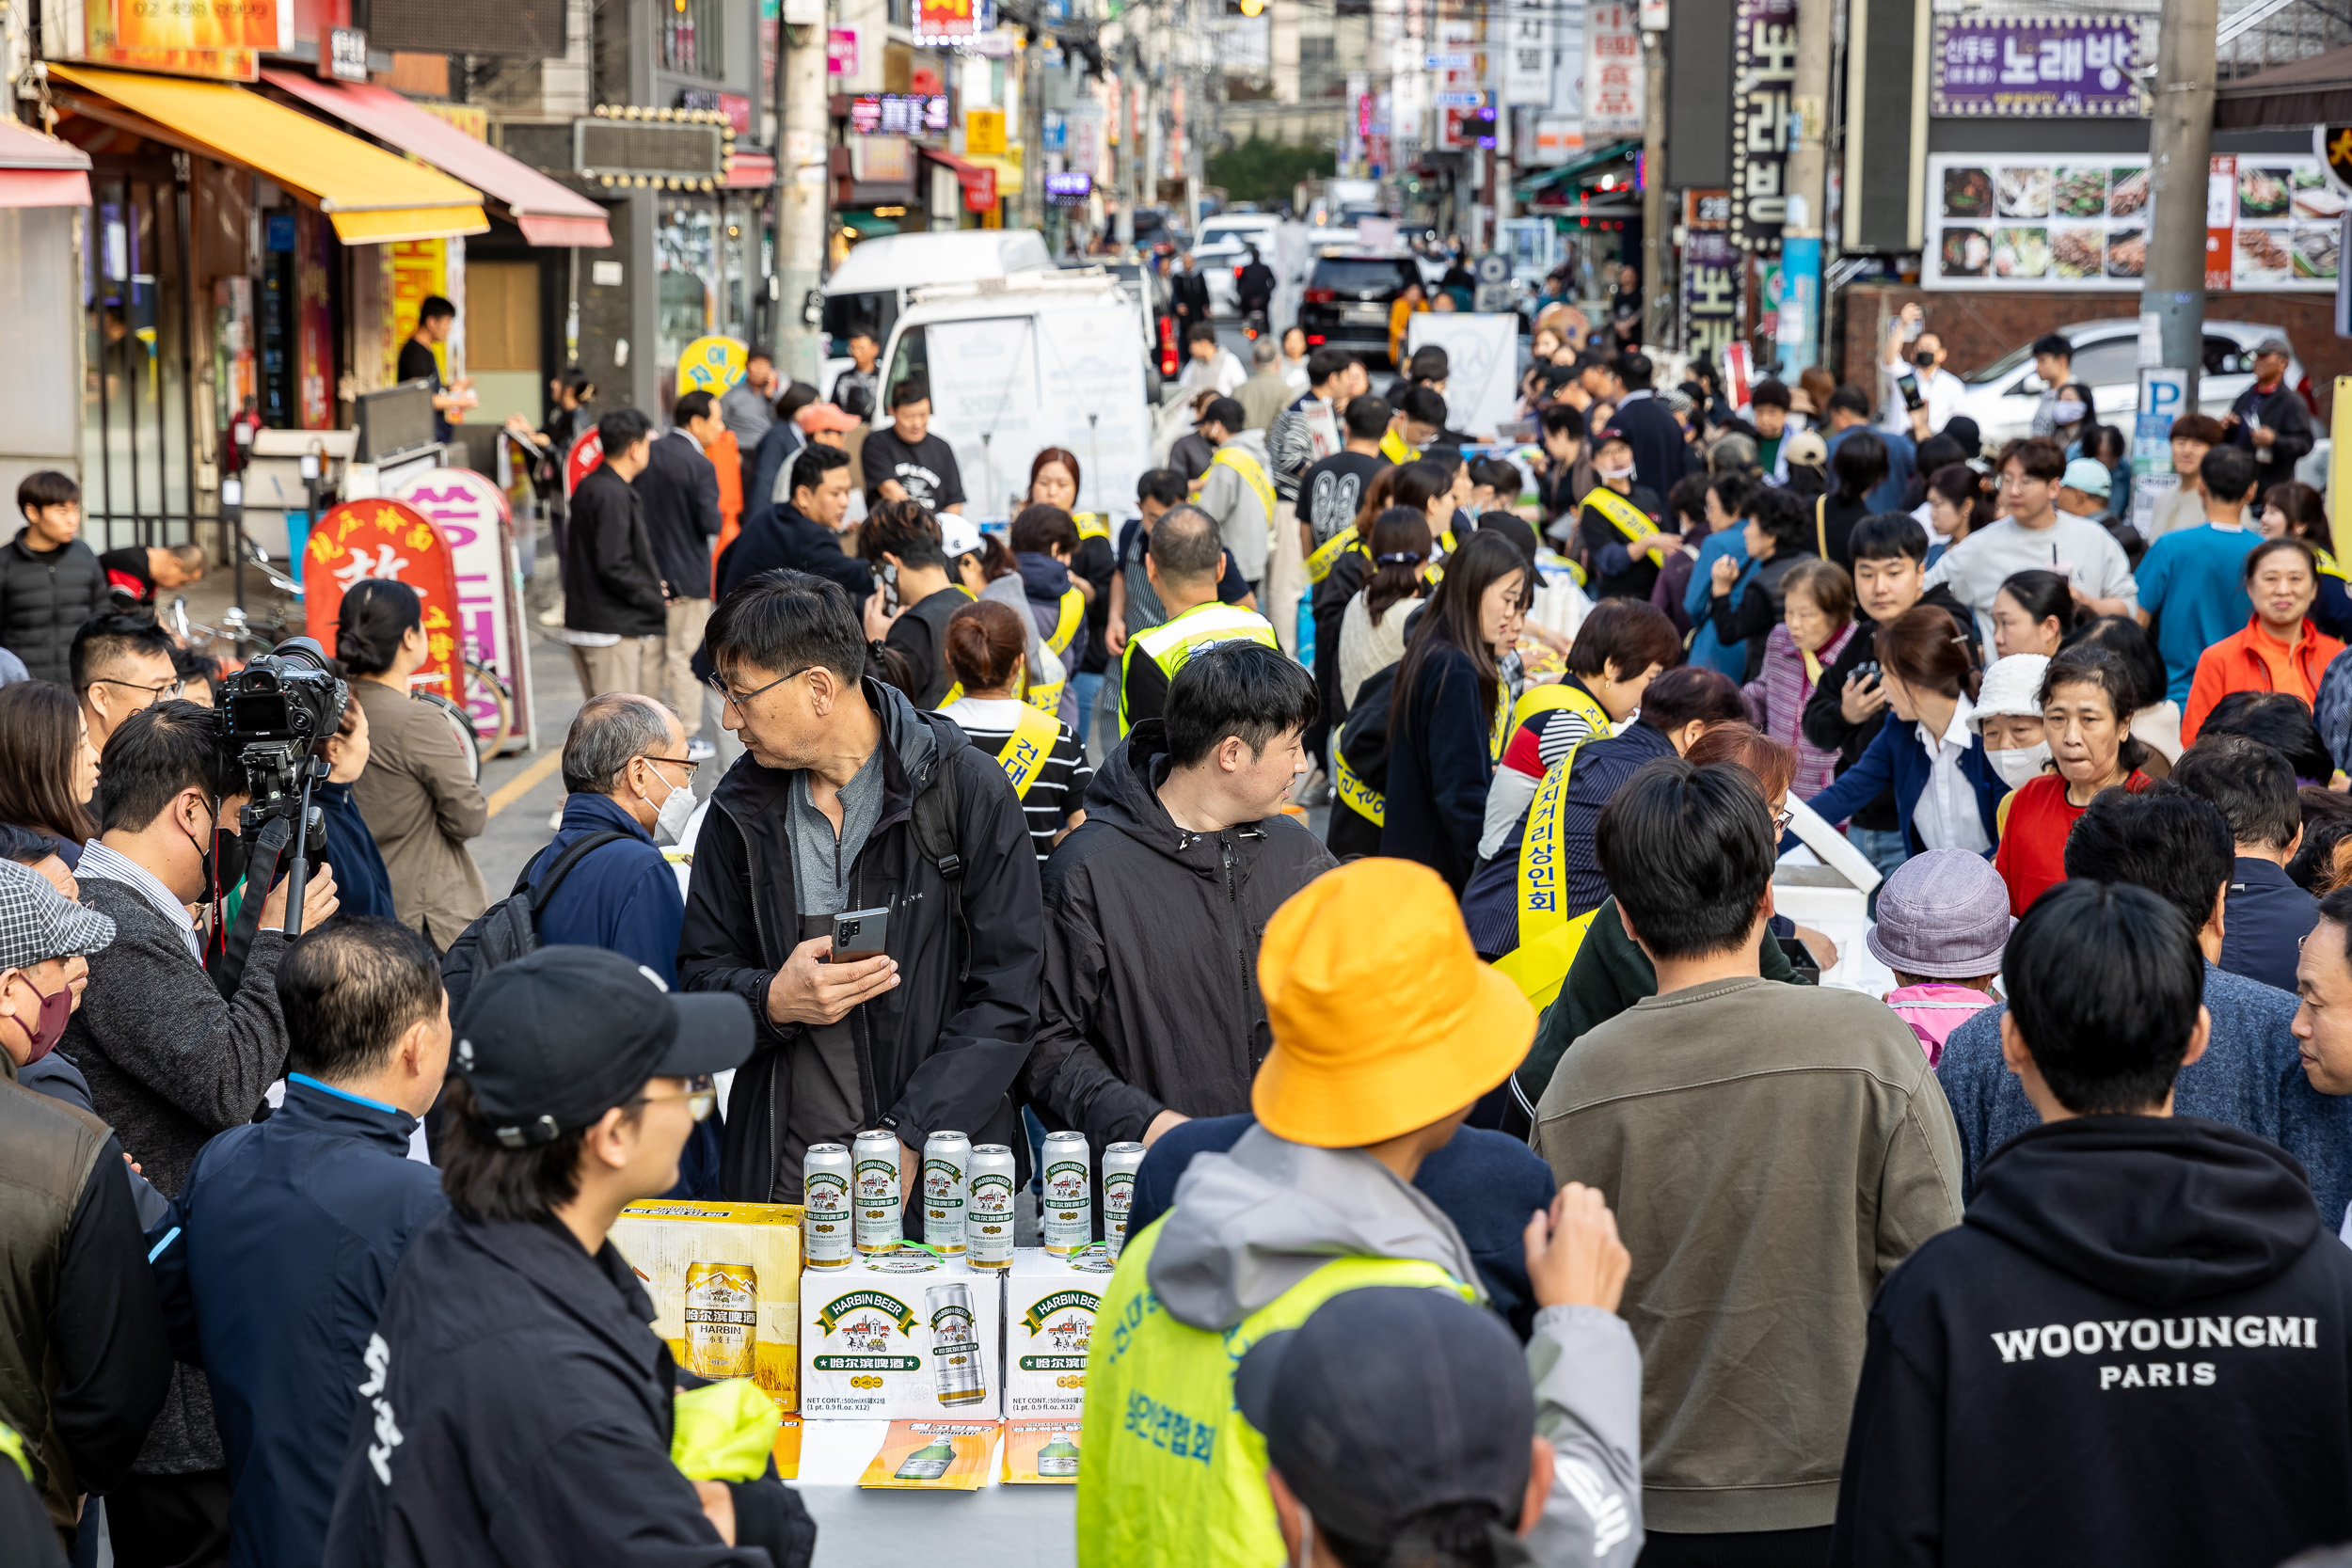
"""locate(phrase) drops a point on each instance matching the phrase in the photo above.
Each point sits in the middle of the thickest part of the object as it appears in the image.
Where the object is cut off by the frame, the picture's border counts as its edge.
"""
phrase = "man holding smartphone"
(1922, 396)
(849, 800)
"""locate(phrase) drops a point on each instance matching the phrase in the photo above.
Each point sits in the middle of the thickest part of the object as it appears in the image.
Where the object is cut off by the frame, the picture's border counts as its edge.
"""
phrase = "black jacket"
(1151, 998)
(2265, 917)
(680, 493)
(44, 598)
(1661, 455)
(2283, 410)
(1749, 612)
(1253, 285)
(791, 538)
(517, 1411)
(612, 581)
(941, 1051)
(1440, 763)
(1824, 719)
(2136, 1348)
(1188, 296)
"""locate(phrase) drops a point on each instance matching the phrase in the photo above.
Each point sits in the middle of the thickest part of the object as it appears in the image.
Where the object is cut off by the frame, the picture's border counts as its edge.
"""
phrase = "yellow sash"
(1092, 525)
(1327, 553)
(1027, 750)
(1498, 733)
(2328, 567)
(1557, 694)
(1046, 696)
(1251, 473)
(1359, 797)
(1549, 940)
(1629, 519)
(1393, 447)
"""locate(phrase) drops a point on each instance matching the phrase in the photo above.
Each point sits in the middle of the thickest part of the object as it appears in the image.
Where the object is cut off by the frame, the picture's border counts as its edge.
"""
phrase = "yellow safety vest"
(1046, 696)
(1028, 746)
(1393, 447)
(1549, 940)
(1092, 525)
(1247, 467)
(1173, 1473)
(1358, 795)
(1328, 554)
(2328, 566)
(1629, 519)
(1171, 644)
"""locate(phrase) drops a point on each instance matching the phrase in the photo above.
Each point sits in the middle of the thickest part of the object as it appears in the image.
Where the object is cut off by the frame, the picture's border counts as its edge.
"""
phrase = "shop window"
(686, 282)
(140, 402)
(693, 38)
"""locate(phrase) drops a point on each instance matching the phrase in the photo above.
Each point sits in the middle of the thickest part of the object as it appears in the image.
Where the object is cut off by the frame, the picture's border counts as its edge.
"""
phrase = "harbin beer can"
(955, 1344)
(1120, 1163)
(988, 1221)
(881, 1223)
(825, 1203)
(946, 1161)
(721, 1319)
(1069, 1189)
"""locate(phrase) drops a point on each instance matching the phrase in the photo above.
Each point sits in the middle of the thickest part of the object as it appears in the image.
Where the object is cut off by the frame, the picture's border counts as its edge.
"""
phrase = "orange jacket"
(727, 458)
(2253, 661)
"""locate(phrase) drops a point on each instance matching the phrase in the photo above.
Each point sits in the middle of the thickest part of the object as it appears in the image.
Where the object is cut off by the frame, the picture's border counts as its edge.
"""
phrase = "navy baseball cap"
(553, 1041)
(1391, 1400)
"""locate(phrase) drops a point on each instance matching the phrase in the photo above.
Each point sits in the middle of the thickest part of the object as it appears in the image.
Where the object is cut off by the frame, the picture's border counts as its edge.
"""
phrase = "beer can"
(1119, 1163)
(955, 1344)
(1069, 1189)
(946, 1161)
(721, 1319)
(988, 1222)
(825, 1205)
(880, 1221)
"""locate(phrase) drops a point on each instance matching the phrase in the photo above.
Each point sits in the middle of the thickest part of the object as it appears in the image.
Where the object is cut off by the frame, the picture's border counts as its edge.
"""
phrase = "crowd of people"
(1513, 1190)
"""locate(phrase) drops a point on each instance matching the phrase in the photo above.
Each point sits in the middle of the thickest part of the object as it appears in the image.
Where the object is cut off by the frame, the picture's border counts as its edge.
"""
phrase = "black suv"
(1347, 299)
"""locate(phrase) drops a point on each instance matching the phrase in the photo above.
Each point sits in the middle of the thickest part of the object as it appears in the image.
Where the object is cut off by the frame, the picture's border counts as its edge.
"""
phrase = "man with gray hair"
(1183, 560)
(607, 884)
(1265, 393)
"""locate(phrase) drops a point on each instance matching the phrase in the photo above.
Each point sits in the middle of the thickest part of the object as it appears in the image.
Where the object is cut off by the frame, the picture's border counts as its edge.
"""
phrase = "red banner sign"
(586, 455)
(394, 541)
(979, 191)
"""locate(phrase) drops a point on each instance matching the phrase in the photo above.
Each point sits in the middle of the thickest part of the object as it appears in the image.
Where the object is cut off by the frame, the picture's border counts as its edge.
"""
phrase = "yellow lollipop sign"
(710, 365)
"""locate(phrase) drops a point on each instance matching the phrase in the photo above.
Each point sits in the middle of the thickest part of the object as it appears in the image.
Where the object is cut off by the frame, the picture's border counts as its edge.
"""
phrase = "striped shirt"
(1061, 785)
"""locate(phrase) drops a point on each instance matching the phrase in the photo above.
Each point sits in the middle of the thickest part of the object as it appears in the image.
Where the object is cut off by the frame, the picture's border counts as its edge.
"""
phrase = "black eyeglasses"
(726, 694)
(159, 693)
(687, 763)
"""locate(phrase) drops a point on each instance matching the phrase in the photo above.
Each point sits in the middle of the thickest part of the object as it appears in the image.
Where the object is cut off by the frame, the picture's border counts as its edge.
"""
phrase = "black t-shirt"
(927, 469)
(127, 576)
(921, 634)
(1097, 561)
(418, 364)
(1332, 489)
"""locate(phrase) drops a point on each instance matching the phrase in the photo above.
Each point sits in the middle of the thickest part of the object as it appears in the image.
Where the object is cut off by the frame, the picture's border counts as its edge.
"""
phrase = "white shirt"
(1942, 390)
(1224, 373)
(114, 867)
(1946, 814)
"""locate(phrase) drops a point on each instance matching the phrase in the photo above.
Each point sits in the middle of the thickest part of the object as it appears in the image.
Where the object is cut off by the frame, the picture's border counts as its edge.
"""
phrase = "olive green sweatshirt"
(1771, 1153)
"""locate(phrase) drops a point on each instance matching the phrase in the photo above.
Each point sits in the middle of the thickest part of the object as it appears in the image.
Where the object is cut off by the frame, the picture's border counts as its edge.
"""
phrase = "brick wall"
(1978, 328)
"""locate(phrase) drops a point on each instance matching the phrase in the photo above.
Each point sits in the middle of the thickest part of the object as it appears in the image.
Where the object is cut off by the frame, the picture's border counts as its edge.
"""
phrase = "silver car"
(2002, 397)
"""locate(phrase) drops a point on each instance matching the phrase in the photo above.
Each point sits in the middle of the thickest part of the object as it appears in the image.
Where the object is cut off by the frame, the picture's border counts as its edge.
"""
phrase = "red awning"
(530, 198)
(751, 171)
(41, 171)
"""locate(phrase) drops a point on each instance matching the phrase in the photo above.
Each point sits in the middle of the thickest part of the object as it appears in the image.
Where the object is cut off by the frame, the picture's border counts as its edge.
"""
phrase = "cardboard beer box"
(725, 1282)
(905, 1335)
(1050, 1305)
(932, 1456)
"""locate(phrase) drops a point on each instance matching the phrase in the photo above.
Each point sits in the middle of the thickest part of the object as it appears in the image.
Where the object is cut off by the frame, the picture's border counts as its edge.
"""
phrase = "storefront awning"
(751, 171)
(530, 197)
(1591, 158)
(371, 195)
(2313, 90)
(41, 171)
(1007, 171)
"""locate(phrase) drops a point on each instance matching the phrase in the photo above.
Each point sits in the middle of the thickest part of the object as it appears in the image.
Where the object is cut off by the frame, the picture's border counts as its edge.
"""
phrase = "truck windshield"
(867, 312)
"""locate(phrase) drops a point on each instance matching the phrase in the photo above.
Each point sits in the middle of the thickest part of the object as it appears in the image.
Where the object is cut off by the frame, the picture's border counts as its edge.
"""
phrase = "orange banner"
(188, 38)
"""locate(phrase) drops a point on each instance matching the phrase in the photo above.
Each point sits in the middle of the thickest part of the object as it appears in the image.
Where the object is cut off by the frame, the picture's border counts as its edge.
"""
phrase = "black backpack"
(510, 927)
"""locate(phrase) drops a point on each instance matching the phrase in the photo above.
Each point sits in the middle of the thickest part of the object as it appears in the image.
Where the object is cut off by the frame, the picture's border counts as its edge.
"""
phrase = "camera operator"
(418, 792)
(170, 1061)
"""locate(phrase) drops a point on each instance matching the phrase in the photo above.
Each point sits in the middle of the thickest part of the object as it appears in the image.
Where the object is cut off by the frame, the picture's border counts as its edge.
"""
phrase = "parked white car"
(2001, 397)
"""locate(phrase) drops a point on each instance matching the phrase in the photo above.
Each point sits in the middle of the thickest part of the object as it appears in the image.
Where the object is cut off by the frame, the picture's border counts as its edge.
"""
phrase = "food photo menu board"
(2273, 222)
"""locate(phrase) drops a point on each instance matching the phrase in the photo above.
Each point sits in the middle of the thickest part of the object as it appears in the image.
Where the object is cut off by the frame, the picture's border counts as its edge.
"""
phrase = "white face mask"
(2066, 410)
(670, 817)
(1625, 472)
(2018, 767)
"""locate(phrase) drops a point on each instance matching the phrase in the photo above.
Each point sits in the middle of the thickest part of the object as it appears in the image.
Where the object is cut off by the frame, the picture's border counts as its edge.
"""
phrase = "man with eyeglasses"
(121, 664)
(2034, 535)
(848, 798)
(512, 1403)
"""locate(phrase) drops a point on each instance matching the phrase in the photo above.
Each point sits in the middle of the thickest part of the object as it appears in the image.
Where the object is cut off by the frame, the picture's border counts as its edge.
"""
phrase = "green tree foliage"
(1266, 171)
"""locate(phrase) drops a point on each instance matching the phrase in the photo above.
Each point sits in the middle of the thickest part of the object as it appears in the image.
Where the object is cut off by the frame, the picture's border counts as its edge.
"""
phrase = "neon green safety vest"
(1172, 1473)
(1171, 643)
(1046, 696)
(1549, 940)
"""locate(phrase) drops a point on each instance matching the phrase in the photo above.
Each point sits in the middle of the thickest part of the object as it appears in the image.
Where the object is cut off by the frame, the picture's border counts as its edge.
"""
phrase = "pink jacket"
(1933, 1010)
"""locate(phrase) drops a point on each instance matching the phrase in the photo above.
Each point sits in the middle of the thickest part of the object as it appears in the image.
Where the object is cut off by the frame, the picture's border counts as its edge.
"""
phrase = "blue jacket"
(290, 1231)
(2250, 1077)
(624, 896)
(1487, 1182)
(2265, 917)
(1894, 756)
(1901, 458)
(1706, 647)
(361, 880)
(776, 449)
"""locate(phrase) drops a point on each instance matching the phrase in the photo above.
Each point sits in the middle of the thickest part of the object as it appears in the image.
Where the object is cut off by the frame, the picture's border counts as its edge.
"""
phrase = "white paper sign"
(1527, 55)
(1481, 359)
(984, 405)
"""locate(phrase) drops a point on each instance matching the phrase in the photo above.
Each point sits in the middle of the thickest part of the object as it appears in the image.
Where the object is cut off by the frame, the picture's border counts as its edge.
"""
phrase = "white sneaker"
(699, 750)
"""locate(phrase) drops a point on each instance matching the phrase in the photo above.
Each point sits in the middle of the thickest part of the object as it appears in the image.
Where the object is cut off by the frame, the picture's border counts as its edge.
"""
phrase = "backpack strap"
(1820, 525)
(933, 820)
(573, 854)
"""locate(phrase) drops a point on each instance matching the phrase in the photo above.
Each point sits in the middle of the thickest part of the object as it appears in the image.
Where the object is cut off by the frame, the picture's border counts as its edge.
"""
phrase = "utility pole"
(1656, 240)
(1807, 189)
(1033, 122)
(2179, 160)
(801, 185)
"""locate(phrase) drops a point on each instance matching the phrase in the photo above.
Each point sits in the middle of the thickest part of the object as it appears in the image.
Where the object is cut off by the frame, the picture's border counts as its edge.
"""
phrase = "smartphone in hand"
(860, 934)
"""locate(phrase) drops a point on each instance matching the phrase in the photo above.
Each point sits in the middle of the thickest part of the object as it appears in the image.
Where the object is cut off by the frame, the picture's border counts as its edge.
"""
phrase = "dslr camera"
(274, 713)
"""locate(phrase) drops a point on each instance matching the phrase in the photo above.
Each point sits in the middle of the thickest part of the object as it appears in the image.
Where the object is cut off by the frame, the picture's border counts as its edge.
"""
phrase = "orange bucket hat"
(1384, 1019)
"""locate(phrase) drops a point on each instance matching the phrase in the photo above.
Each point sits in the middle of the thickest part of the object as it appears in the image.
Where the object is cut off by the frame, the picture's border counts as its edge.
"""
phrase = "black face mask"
(227, 857)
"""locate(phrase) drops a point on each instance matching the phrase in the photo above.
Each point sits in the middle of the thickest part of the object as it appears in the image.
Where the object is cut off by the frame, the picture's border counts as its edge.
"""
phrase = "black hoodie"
(1150, 1000)
(2133, 1350)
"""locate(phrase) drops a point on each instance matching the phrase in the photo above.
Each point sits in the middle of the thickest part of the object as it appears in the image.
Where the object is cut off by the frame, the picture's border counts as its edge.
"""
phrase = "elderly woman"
(1816, 618)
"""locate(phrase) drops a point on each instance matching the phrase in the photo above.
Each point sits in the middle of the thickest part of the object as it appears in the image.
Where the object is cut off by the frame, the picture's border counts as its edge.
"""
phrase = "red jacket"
(2253, 661)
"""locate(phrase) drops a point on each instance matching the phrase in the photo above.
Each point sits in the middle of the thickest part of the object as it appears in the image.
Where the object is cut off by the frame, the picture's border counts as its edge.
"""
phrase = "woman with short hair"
(2087, 697)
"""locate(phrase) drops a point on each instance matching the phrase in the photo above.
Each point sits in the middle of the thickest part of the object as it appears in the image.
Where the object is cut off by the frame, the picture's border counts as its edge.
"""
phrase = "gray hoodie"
(1250, 1224)
(1240, 513)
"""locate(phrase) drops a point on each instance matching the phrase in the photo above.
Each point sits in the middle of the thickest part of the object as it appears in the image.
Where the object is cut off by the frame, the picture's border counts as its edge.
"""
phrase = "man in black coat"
(1188, 296)
(50, 581)
(1154, 905)
(2129, 1286)
(847, 798)
(2269, 418)
(1661, 455)
(680, 488)
(802, 534)
(614, 601)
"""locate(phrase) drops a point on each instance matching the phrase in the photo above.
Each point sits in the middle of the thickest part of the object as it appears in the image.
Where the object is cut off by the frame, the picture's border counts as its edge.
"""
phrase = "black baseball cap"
(1388, 1401)
(553, 1041)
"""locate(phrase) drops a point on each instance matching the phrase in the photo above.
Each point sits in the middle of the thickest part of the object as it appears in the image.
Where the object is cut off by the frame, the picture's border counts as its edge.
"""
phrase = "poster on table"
(475, 519)
(2039, 67)
(1763, 72)
(392, 540)
(2080, 222)
(1481, 366)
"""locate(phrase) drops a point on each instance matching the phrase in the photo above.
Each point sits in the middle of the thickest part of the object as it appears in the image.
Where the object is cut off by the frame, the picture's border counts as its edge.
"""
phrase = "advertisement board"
(2080, 223)
(224, 38)
(1613, 70)
(474, 517)
(1763, 70)
(2039, 67)
(386, 539)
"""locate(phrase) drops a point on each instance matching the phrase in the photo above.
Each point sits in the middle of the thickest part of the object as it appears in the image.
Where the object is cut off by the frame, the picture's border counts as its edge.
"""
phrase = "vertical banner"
(1613, 86)
(1527, 55)
(1711, 291)
(1481, 393)
(2340, 469)
(2163, 398)
(315, 322)
(420, 268)
(1799, 327)
(474, 517)
(1763, 70)
(2220, 219)
(392, 540)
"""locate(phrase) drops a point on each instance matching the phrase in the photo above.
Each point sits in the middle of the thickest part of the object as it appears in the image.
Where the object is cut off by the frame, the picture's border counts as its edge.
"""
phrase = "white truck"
(875, 280)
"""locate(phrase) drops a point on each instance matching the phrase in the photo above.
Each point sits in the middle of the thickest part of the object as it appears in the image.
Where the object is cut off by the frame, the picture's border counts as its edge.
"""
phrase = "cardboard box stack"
(725, 1283)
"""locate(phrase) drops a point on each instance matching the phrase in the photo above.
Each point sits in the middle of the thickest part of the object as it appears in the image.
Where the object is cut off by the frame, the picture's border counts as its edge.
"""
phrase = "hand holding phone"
(860, 934)
(1909, 385)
